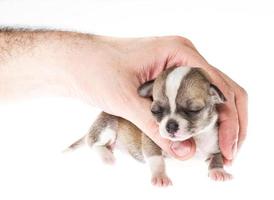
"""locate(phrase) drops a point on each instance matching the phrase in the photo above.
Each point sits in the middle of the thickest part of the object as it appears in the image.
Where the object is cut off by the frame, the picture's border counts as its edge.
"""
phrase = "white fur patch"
(173, 83)
(107, 136)
(207, 142)
(157, 164)
(162, 127)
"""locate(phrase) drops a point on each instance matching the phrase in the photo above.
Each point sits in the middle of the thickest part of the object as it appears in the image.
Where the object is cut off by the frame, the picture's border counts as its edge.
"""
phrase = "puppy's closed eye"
(157, 109)
(193, 112)
(190, 111)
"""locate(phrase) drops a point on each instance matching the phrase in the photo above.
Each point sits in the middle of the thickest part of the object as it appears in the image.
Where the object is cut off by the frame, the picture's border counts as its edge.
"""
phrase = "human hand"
(130, 62)
(106, 72)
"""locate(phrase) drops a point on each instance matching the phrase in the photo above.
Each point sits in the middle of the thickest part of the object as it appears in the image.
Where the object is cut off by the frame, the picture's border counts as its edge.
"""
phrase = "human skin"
(106, 72)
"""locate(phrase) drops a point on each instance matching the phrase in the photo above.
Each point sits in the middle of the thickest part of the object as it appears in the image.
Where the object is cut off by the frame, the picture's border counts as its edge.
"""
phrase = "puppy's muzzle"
(172, 127)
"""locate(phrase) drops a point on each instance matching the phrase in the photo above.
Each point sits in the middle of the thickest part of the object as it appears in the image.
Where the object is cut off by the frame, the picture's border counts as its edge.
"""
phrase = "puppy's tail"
(75, 145)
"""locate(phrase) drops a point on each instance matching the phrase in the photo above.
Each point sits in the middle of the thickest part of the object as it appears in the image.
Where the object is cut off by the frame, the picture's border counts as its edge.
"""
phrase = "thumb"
(141, 116)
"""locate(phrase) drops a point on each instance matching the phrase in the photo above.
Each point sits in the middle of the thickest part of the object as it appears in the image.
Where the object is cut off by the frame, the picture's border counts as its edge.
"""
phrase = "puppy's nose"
(172, 126)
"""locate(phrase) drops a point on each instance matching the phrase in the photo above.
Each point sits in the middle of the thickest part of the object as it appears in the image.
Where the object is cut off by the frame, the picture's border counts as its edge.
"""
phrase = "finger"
(241, 99)
(228, 129)
(188, 43)
(227, 162)
(241, 104)
(141, 116)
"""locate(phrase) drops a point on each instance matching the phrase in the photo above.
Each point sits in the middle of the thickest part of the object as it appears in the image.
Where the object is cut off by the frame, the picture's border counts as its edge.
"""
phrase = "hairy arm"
(41, 62)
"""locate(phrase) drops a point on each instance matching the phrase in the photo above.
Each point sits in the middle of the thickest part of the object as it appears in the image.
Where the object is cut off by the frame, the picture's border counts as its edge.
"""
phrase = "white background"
(235, 36)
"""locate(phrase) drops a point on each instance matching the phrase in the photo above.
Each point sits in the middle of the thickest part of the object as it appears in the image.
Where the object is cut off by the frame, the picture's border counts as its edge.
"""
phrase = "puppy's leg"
(102, 136)
(153, 155)
(216, 170)
(104, 145)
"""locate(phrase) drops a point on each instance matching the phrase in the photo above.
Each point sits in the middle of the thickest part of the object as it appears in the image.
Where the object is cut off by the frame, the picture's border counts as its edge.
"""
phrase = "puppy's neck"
(212, 126)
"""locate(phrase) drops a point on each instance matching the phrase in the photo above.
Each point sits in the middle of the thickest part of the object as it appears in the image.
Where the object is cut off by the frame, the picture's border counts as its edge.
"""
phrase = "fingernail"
(181, 149)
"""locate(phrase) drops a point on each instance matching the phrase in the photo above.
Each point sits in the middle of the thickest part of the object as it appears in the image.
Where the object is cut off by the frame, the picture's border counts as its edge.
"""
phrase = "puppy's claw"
(161, 180)
(219, 175)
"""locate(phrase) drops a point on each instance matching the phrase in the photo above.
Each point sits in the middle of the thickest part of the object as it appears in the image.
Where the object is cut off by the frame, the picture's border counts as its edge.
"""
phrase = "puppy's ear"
(216, 94)
(145, 90)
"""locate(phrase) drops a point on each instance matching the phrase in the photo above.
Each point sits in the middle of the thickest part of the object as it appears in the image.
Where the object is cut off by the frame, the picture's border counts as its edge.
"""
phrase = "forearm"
(42, 63)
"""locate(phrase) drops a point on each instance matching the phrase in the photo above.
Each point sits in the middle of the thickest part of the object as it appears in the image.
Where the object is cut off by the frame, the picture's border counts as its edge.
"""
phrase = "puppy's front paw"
(161, 180)
(219, 174)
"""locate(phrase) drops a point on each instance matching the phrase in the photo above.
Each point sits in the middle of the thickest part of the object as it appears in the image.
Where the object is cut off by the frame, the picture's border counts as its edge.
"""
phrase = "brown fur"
(216, 161)
(150, 148)
(193, 92)
(159, 87)
(104, 120)
(129, 136)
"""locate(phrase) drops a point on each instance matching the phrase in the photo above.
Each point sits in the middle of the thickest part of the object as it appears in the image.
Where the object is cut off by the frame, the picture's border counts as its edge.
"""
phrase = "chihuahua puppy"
(184, 105)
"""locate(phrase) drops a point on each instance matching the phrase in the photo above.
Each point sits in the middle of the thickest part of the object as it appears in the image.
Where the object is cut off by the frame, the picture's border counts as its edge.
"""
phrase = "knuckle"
(230, 95)
(243, 93)
(181, 40)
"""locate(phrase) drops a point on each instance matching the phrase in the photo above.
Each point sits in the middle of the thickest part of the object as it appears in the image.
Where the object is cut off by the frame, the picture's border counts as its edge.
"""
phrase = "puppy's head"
(184, 102)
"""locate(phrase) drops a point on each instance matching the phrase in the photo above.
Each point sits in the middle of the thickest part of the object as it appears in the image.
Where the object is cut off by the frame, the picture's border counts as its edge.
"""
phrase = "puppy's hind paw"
(108, 159)
(161, 180)
(106, 155)
(219, 174)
